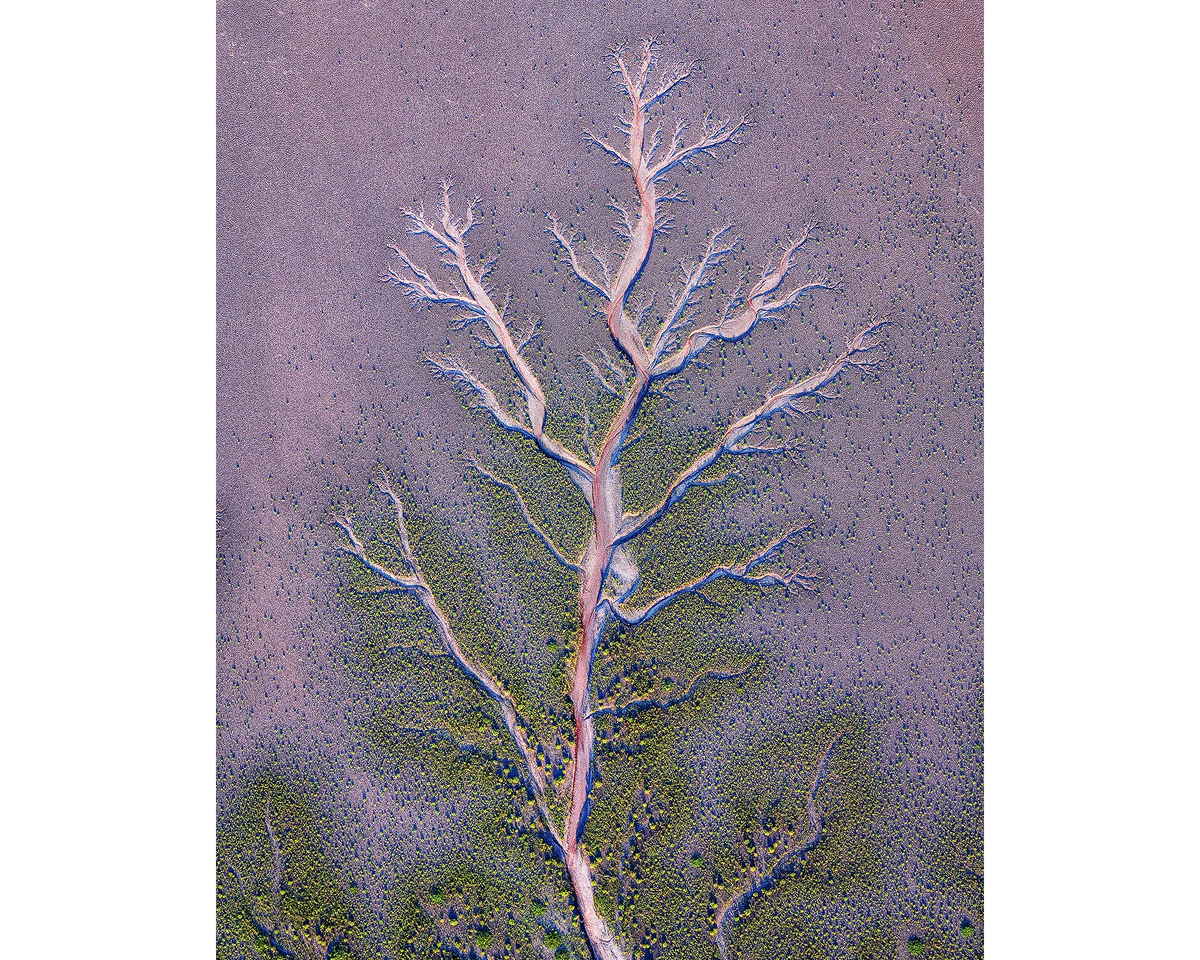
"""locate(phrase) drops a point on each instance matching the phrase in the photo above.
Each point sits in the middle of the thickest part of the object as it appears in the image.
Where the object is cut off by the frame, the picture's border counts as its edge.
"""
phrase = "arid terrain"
(412, 758)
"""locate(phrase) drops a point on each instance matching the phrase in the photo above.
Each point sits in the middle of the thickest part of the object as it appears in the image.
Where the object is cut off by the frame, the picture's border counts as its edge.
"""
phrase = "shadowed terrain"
(450, 825)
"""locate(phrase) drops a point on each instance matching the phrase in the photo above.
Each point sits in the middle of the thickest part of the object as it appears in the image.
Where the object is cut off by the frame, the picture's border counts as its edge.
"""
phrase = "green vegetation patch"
(652, 801)
(277, 891)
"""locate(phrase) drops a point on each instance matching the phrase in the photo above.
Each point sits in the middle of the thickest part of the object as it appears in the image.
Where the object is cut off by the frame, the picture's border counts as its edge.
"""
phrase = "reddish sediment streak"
(607, 513)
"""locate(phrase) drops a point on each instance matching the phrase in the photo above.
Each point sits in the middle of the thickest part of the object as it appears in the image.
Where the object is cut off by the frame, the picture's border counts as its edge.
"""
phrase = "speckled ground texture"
(332, 117)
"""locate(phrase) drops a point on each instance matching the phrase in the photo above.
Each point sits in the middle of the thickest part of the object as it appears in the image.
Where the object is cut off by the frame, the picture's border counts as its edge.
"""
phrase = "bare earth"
(332, 119)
